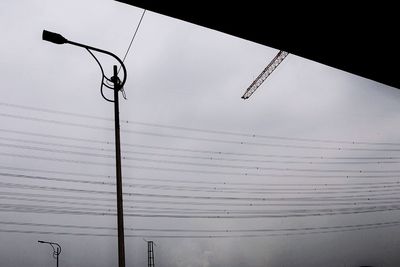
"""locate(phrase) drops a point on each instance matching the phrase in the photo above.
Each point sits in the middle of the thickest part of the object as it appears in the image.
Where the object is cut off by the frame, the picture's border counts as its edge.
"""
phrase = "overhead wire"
(144, 213)
(200, 150)
(357, 174)
(46, 198)
(214, 140)
(58, 144)
(178, 230)
(133, 38)
(259, 135)
(203, 130)
(61, 151)
(194, 215)
(53, 111)
(208, 236)
(196, 164)
(209, 183)
(210, 189)
(339, 198)
(173, 155)
(157, 209)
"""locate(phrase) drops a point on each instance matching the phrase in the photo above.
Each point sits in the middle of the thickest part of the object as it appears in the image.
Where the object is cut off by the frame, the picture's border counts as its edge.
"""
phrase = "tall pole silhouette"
(120, 217)
(117, 86)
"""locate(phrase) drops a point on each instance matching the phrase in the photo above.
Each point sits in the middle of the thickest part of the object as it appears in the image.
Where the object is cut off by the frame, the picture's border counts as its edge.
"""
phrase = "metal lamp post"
(56, 250)
(117, 86)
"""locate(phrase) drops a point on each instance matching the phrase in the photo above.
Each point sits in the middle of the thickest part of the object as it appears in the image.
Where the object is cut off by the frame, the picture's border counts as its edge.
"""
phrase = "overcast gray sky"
(304, 173)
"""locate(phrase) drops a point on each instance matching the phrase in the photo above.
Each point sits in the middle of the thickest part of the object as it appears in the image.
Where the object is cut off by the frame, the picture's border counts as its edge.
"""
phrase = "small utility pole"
(150, 254)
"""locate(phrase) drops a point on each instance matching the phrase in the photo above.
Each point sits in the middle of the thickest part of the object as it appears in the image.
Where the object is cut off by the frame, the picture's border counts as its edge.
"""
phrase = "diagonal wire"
(134, 35)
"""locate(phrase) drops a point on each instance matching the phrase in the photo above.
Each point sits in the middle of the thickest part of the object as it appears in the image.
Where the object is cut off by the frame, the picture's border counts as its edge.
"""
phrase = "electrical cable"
(174, 155)
(205, 130)
(210, 183)
(91, 227)
(214, 140)
(199, 150)
(247, 174)
(352, 197)
(346, 172)
(269, 191)
(133, 38)
(209, 236)
(46, 199)
(153, 209)
(191, 215)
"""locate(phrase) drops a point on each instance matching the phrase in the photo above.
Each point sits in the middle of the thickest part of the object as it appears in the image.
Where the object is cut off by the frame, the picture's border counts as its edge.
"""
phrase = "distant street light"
(56, 250)
(117, 86)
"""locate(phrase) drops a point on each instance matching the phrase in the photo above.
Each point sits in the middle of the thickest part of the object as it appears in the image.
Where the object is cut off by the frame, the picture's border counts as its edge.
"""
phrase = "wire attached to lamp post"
(117, 86)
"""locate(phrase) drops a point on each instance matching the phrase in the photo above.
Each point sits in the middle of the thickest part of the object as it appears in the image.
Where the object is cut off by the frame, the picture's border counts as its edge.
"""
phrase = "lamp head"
(40, 241)
(53, 37)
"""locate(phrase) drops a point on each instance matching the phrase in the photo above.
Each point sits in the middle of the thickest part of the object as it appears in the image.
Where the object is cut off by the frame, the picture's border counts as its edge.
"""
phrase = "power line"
(52, 150)
(53, 111)
(353, 197)
(196, 164)
(91, 227)
(80, 115)
(156, 210)
(215, 172)
(46, 143)
(45, 198)
(223, 141)
(314, 191)
(191, 215)
(161, 209)
(212, 152)
(171, 155)
(254, 136)
(56, 136)
(209, 236)
(213, 183)
(55, 122)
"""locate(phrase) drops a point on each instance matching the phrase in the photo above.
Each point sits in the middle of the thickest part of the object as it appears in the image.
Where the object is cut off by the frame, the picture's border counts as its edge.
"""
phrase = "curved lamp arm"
(59, 39)
(56, 252)
(104, 52)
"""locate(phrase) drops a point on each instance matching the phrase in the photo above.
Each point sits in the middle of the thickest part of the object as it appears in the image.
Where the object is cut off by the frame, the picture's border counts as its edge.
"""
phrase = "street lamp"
(117, 86)
(56, 250)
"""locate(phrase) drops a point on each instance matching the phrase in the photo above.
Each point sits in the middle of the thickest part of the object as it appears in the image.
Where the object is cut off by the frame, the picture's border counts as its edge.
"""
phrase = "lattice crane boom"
(265, 73)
